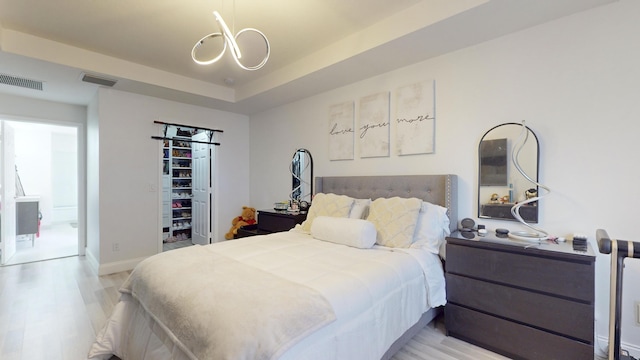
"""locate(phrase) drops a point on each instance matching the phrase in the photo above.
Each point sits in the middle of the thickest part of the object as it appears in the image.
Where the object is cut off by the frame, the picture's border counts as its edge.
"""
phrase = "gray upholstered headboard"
(436, 189)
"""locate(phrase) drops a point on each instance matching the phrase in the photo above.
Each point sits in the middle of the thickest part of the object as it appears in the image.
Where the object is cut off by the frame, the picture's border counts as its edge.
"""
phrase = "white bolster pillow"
(357, 233)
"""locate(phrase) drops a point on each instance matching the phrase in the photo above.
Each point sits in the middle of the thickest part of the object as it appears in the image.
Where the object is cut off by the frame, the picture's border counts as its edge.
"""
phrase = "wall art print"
(373, 125)
(415, 118)
(341, 118)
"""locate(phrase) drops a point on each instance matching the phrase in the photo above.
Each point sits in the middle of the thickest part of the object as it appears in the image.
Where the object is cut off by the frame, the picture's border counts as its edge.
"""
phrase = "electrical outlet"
(116, 247)
(638, 313)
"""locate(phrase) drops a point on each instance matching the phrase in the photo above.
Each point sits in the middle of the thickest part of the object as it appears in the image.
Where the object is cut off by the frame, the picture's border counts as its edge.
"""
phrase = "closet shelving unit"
(181, 186)
(177, 186)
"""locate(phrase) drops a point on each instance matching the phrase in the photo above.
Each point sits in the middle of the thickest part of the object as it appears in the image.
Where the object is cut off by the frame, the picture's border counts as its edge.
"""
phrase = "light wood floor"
(52, 310)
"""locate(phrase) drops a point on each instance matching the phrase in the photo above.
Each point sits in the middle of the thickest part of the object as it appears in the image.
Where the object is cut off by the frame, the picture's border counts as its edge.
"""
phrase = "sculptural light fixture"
(228, 37)
(539, 234)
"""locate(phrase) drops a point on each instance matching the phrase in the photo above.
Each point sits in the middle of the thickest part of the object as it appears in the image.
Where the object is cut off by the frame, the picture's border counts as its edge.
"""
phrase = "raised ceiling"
(317, 45)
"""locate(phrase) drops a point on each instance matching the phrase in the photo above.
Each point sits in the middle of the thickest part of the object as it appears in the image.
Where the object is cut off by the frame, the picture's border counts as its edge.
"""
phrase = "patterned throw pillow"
(395, 220)
(327, 205)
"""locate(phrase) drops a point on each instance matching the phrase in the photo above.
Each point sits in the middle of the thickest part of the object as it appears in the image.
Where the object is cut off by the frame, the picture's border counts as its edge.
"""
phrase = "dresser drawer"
(278, 221)
(511, 339)
(244, 232)
(551, 313)
(271, 223)
(571, 279)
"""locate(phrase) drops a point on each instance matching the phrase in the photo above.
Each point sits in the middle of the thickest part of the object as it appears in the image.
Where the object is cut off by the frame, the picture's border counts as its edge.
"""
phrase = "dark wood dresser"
(503, 211)
(270, 221)
(525, 302)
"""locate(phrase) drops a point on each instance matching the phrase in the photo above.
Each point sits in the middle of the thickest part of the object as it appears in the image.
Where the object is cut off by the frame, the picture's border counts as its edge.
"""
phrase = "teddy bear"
(248, 217)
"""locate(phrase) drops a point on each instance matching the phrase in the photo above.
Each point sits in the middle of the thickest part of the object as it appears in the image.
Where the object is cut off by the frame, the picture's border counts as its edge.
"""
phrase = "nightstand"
(520, 299)
(270, 221)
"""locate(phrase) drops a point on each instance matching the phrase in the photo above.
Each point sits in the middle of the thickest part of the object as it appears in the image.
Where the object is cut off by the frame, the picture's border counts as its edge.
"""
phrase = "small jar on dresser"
(521, 299)
(270, 221)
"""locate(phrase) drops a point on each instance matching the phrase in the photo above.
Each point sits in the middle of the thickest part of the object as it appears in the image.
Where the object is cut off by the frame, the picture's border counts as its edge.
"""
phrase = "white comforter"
(376, 295)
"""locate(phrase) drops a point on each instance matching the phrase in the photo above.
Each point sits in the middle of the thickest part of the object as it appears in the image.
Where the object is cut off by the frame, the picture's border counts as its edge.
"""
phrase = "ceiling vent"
(94, 79)
(21, 82)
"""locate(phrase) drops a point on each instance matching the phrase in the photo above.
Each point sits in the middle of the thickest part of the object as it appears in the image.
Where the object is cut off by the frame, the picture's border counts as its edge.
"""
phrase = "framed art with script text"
(415, 118)
(373, 125)
(341, 117)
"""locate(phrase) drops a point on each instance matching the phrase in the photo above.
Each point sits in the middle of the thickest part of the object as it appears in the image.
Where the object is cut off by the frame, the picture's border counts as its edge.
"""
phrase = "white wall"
(126, 202)
(17, 108)
(575, 82)
(64, 167)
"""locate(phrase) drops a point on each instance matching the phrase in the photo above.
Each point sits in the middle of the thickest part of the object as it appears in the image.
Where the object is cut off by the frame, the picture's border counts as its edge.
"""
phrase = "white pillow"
(432, 228)
(327, 205)
(360, 209)
(346, 231)
(395, 219)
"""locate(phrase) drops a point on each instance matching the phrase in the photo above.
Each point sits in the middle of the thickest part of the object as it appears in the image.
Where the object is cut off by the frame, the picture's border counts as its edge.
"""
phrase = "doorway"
(46, 208)
(187, 183)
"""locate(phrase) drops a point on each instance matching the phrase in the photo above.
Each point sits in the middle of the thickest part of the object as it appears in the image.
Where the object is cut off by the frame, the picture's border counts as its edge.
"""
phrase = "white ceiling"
(316, 45)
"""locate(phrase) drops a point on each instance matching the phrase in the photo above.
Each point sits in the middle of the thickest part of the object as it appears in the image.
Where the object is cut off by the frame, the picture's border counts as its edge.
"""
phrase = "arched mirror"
(301, 176)
(500, 184)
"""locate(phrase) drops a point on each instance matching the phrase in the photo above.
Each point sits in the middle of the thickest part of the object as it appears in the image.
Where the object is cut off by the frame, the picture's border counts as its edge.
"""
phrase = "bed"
(335, 287)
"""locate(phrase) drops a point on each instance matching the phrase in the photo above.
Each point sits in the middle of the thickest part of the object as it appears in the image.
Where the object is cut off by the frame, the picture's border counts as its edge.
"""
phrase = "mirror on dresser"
(500, 184)
(301, 176)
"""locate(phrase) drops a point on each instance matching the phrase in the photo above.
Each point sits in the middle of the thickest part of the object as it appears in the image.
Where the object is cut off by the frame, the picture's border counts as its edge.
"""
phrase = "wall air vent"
(21, 82)
(94, 79)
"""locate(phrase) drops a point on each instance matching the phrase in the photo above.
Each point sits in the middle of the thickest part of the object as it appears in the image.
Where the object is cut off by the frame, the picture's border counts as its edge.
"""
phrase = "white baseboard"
(111, 268)
(633, 349)
(118, 266)
(602, 347)
(93, 262)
